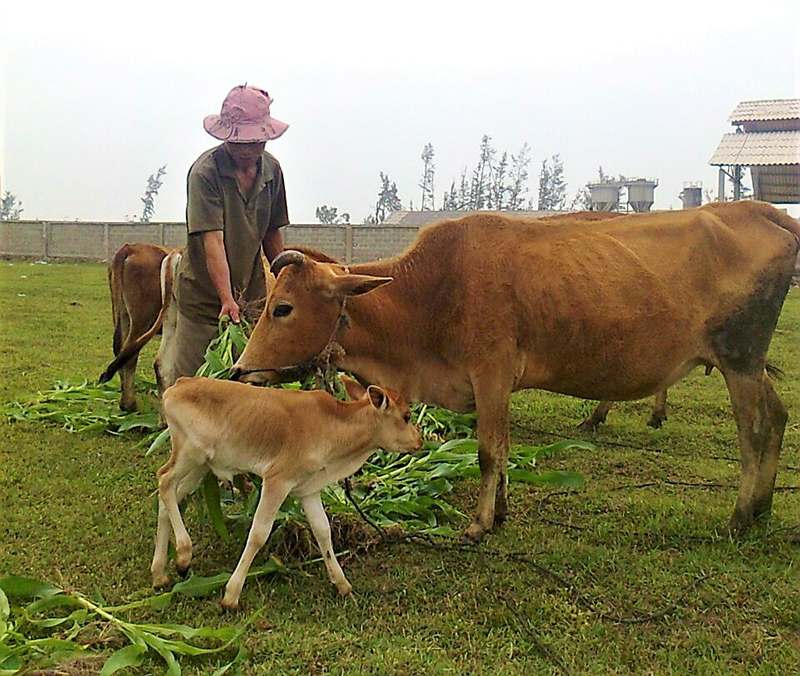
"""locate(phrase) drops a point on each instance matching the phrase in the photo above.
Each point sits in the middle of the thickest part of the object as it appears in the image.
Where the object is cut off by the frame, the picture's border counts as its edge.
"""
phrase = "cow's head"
(302, 315)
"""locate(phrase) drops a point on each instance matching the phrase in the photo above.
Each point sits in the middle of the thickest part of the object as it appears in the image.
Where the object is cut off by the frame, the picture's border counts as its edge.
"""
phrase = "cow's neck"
(393, 336)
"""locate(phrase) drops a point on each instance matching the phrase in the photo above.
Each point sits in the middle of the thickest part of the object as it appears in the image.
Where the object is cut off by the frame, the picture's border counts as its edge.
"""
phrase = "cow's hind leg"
(659, 413)
(760, 420)
(596, 417)
(127, 375)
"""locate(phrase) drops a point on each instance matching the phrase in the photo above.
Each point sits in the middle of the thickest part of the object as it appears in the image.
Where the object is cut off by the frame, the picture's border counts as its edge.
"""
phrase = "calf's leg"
(318, 520)
(185, 486)
(273, 494)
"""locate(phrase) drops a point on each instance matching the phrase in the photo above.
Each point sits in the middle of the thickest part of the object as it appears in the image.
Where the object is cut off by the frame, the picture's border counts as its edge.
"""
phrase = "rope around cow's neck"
(322, 365)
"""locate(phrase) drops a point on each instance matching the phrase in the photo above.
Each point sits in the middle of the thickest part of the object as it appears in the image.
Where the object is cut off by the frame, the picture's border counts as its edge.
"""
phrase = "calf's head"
(389, 415)
(301, 316)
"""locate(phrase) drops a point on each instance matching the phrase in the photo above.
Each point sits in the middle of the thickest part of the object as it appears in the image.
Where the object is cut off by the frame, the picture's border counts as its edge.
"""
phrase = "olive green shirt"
(215, 201)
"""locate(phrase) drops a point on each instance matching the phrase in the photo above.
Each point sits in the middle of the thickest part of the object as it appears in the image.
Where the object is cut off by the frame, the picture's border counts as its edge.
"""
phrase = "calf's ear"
(378, 397)
(356, 285)
(353, 388)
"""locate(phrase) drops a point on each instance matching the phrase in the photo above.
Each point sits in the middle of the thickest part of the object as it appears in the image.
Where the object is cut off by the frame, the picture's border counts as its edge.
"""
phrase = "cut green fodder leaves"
(44, 626)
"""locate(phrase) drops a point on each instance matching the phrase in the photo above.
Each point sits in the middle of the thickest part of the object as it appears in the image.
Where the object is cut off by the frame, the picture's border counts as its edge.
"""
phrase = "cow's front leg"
(493, 441)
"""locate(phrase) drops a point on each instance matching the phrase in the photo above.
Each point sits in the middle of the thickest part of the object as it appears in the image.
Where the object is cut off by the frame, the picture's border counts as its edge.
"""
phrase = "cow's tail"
(115, 272)
(131, 348)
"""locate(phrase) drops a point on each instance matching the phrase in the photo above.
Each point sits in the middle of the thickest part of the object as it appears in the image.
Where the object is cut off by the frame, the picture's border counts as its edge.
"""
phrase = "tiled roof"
(758, 148)
(771, 109)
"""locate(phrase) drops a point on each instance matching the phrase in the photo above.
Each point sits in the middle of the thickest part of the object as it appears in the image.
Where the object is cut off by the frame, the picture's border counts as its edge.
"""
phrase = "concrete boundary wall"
(99, 241)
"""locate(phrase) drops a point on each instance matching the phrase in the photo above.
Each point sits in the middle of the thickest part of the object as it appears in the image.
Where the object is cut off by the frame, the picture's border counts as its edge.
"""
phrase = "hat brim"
(268, 130)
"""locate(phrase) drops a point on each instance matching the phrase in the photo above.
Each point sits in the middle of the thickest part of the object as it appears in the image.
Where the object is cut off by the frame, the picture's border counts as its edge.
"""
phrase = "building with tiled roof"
(767, 141)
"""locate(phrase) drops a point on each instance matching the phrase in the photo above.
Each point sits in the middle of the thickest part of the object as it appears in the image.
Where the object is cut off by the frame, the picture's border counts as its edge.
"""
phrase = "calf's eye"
(282, 310)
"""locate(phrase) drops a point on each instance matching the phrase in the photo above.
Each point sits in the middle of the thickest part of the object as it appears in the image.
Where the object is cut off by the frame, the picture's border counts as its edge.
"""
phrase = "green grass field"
(76, 510)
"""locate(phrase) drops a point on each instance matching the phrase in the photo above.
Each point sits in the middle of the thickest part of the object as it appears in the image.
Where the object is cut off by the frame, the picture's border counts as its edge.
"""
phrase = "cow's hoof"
(344, 589)
(589, 425)
(128, 406)
(656, 421)
(183, 571)
(739, 524)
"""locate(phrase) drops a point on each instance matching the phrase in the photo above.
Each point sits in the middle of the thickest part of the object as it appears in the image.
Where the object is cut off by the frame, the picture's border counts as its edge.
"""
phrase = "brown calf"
(297, 442)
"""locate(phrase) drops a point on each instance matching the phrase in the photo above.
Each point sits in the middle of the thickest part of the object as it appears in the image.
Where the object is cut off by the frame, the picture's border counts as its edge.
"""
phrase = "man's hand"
(230, 309)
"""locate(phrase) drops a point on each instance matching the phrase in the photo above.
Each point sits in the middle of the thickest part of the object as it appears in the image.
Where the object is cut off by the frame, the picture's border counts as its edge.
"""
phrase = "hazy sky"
(96, 96)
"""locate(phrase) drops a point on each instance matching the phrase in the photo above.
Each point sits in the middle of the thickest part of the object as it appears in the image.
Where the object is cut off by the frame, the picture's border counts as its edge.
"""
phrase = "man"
(236, 206)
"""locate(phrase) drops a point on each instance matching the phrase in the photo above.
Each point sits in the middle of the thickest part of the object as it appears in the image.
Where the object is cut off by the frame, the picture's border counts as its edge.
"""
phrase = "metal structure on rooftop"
(692, 194)
(605, 195)
(641, 193)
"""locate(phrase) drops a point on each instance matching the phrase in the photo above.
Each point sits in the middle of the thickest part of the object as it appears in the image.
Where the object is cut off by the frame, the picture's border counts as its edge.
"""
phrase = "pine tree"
(480, 188)
(427, 178)
(388, 201)
(518, 178)
(552, 187)
(330, 215)
(154, 183)
(10, 207)
(499, 189)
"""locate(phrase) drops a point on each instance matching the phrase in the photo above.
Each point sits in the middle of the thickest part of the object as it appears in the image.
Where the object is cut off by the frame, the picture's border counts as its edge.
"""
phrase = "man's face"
(244, 155)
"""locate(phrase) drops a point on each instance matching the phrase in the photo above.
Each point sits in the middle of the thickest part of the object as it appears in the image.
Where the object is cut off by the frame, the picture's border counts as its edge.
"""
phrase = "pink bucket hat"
(245, 117)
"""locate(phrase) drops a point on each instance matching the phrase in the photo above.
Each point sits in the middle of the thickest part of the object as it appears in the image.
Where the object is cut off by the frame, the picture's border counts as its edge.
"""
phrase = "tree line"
(499, 182)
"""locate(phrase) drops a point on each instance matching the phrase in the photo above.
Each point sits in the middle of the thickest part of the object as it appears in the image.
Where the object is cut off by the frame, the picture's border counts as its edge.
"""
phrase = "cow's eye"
(282, 310)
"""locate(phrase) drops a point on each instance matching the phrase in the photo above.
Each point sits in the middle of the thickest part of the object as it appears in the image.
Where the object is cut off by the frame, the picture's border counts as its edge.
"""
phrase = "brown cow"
(134, 281)
(139, 277)
(485, 305)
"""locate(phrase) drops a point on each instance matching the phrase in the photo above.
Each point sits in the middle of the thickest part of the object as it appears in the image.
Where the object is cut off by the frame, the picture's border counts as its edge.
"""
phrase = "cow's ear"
(355, 285)
(354, 389)
(378, 397)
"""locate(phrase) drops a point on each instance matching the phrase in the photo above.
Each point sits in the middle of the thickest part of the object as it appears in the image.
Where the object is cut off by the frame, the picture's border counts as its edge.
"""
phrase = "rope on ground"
(620, 444)
(427, 541)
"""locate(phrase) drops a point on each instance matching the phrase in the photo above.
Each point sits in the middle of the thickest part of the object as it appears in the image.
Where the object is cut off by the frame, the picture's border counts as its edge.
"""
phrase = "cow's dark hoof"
(183, 572)
(656, 421)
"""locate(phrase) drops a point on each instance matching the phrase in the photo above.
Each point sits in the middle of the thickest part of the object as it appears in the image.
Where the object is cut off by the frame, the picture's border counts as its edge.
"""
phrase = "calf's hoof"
(656, 421)
(160, 580)
(230, 605)
(344, 589)
(128, 406)
(183, 571)
(475, 532)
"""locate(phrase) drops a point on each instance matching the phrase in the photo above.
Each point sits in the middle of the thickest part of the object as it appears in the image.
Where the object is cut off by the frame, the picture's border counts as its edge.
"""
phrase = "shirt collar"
(226, 167)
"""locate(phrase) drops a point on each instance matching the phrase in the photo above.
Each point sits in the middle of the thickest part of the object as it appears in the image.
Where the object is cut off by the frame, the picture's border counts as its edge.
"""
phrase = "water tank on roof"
(692, 195)
(641, 194)
(605, 196)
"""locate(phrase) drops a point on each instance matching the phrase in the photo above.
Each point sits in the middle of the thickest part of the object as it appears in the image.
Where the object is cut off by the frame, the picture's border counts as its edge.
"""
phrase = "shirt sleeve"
(279, 214)
(204, 212)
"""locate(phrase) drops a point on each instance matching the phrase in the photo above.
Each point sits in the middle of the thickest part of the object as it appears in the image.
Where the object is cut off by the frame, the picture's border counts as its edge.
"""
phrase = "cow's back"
(628, 296)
